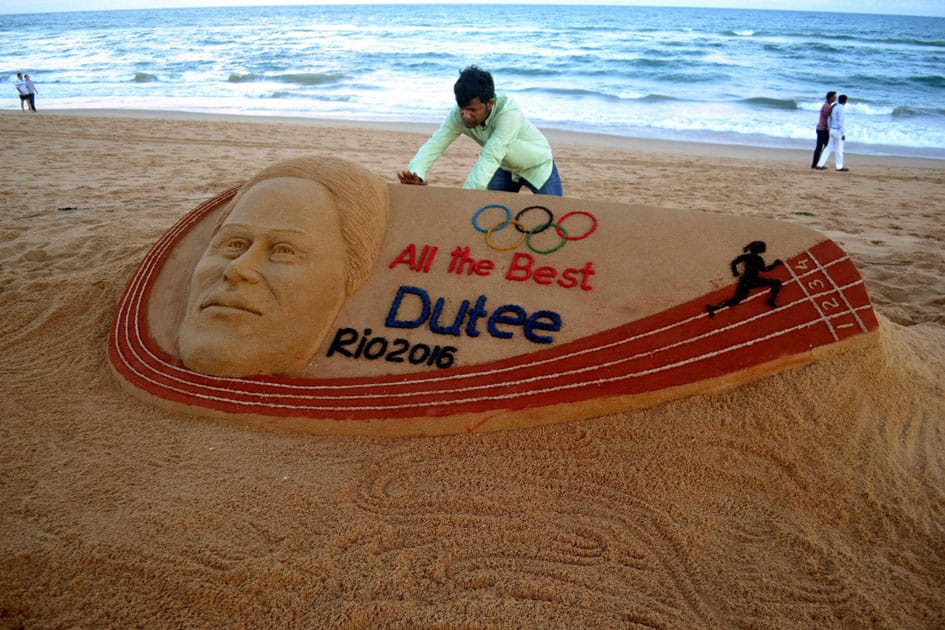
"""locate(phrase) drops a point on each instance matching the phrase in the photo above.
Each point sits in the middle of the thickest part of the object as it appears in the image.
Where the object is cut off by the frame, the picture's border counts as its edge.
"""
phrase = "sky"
(898, 7)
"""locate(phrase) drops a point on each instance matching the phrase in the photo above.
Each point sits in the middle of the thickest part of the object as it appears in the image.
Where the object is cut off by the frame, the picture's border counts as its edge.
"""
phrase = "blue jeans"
(502, 180)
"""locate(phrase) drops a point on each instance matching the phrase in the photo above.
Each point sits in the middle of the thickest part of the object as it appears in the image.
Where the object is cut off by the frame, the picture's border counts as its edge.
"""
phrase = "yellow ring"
(502, 224)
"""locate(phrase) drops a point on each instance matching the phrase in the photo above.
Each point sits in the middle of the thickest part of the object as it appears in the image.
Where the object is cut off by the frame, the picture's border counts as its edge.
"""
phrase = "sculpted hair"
(473, 82)
(360, 196)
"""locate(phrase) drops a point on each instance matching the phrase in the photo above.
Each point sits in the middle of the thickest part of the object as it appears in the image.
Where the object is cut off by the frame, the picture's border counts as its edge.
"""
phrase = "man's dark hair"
(473, 82)
(843, 99)
(830, 93)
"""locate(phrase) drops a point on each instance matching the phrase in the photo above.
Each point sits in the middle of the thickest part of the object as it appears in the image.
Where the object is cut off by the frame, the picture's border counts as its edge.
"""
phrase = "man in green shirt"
(514, 153)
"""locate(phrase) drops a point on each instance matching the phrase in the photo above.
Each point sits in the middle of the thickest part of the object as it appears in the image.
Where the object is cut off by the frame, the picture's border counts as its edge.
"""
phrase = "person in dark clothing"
(823, 126)
(752, 265)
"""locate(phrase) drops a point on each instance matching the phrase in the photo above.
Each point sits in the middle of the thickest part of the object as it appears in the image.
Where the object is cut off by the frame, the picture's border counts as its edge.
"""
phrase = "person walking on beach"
(514, 153)
(21, 88)
(823, 127)
(31, 91)
(838, 135)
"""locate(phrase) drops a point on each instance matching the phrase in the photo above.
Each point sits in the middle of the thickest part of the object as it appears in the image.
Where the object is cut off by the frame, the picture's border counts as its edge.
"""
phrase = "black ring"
(538, 229)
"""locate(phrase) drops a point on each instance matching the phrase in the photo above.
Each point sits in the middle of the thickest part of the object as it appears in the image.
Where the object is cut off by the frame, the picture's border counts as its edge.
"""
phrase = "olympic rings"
(528, 232)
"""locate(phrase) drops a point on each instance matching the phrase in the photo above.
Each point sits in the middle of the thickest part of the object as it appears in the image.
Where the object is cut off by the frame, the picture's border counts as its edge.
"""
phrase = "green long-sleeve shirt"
(507, 138)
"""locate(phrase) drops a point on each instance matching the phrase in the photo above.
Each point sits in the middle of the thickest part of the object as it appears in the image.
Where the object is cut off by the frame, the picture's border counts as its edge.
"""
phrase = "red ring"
(576, 238)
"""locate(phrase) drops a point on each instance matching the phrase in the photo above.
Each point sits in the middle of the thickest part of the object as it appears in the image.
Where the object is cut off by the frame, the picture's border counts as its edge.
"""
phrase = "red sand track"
(823, 301)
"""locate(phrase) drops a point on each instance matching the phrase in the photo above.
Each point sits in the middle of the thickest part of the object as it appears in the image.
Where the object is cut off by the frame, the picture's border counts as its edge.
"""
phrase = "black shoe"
(842, 170)
(821, 168)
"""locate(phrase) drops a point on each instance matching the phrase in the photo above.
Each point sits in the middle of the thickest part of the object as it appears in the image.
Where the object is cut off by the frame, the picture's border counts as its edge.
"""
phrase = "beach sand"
(812, 498)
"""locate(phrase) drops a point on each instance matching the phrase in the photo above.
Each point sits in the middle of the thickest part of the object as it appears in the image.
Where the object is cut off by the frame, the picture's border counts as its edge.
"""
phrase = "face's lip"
(229, 303)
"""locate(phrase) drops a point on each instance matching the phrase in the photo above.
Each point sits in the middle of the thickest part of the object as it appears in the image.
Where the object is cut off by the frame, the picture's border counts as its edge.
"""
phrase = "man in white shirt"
(838, 135)
(21, 88)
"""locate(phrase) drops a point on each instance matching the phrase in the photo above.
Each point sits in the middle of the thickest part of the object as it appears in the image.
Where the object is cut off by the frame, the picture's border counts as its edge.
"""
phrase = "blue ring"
(508, 217)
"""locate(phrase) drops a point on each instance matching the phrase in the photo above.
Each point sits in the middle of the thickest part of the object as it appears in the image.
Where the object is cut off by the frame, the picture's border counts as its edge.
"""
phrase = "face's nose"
(245, 267)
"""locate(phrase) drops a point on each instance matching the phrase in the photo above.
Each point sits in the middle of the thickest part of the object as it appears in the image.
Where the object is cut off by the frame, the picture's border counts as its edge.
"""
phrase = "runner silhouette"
(752, 265)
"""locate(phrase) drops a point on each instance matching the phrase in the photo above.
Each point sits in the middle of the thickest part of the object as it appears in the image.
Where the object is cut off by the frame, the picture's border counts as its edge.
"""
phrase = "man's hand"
(408, 177)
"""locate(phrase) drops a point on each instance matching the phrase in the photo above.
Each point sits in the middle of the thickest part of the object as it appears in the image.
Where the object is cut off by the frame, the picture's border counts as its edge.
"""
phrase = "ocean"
(705, 75)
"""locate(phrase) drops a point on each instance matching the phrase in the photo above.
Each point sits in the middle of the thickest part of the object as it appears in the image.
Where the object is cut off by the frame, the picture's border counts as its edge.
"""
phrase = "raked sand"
(812, 498)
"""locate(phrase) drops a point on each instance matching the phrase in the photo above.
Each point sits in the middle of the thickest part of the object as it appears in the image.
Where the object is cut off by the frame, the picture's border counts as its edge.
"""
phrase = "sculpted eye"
(284, 251)
(233, 247)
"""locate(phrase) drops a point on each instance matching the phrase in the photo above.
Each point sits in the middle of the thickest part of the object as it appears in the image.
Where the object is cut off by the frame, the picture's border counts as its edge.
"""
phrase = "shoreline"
(555, 136)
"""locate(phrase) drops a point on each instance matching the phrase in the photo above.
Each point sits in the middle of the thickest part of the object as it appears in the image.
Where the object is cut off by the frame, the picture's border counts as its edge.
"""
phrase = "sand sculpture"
(319, 298)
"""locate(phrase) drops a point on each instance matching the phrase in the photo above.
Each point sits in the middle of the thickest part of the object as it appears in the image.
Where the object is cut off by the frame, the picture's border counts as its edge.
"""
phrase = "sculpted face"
(269, 284)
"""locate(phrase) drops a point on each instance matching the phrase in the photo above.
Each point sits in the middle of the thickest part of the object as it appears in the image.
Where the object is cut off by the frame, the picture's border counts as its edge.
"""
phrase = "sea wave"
(657, 98)
(771, 103)
(818, 48)
(523, 72)
(908, 111)
(324, 98)
(896, 41)
(310, 78)
(563, 91)
(243, 78)
(934, 80)
(654, 62)
(866, 38)
(145, 77)
(622, 96)
(301, 78)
